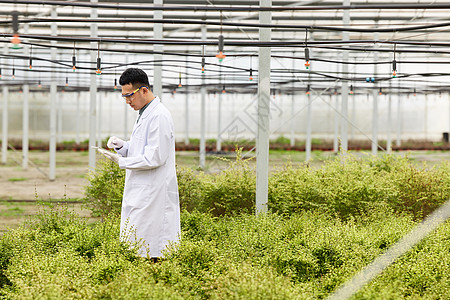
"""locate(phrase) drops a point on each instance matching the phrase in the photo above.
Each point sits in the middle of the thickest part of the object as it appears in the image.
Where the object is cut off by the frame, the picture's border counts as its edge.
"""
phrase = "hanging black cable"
(99, 61)
(15, 29)
(394, 65)
(31, 59)
(233, 8)
(203, 59)
(232, 24)
(74, 59)
(221, 56)
(307, 64)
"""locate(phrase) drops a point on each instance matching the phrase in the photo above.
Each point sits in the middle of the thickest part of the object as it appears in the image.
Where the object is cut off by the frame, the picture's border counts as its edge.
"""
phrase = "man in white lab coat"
(150, 204)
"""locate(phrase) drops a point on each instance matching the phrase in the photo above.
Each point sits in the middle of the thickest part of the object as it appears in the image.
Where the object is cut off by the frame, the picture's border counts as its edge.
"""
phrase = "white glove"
(112, 156)
(115, 143)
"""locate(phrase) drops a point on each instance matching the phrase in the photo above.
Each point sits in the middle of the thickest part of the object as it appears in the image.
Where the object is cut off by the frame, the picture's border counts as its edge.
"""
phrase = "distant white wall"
(421, 119)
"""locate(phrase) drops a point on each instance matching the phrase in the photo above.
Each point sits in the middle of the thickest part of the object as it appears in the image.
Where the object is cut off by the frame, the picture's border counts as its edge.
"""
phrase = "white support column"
(5, 92)
(344, 86)
(292, 143)
(77, 121)
(53, 103)
(25, 108)
(157, 35)
(389, 122)
(125, 105)
(219, 117)
(93, 91)
(336, 122)
(293, 105)
(375, 103)
(99, 121)
(202, 149)
(186, 108)
(353, 97)
(399, 117)
(425, 117)
(59, 117)
(352, 136)
(25, 125)
(308, 145)
(375, 121)
(125, 113)
(262, 141)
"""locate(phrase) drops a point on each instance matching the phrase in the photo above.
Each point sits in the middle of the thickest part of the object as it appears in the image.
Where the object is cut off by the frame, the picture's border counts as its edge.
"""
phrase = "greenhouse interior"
(279, 84)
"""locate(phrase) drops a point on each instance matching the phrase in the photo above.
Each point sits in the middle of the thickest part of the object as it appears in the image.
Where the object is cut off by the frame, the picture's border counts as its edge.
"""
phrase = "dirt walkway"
(19, 184)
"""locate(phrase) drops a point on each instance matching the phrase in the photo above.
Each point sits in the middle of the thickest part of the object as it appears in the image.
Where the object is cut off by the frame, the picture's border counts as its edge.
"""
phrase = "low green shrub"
(230, 191)
(345, 186)
(304, 256)
(58, 253)
(348, 186)
(190, 188)
(103, 194)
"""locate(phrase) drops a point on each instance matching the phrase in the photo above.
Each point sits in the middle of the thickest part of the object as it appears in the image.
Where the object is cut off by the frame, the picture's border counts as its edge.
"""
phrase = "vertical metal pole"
(353, 97)
(336, 123)
(99, 121)
(308, 145)
(77, 121)
(125, 105)
(389, 125)
(219, 116)
(375, 104)
(292, 142)
(59, 117)
(157, 35)
(375, 121)
(186, 108)
(25, 109)
(125, 129)
(425, 121)
(399, 116)
(25, 122)
(344, 87)
(5, 92)
(93, 92)
(262, 141)
(293, 104)
(202, 149)
(111, 115)
(53, 103)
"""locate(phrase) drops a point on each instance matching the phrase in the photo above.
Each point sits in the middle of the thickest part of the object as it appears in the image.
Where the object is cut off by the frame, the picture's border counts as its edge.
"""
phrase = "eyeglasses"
(133, 92)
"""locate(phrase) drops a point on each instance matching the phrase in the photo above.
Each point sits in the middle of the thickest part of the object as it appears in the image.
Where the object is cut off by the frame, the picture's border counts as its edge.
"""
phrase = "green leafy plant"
(103, 194)
(231, 190)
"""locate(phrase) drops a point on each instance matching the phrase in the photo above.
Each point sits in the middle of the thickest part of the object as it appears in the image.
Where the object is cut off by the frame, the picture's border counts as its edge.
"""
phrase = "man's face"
(133, 96)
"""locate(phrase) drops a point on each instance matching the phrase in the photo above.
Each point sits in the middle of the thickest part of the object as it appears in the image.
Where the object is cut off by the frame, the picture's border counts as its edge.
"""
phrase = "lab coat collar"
(146, 113)
(150, 107)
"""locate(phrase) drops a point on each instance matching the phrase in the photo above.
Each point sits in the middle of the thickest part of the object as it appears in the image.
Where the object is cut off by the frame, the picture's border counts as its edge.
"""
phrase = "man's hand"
(115, 143)
(112, 156)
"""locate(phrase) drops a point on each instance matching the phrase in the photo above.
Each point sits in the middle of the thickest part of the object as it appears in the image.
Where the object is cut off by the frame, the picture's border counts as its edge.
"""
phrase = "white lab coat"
(150, 204)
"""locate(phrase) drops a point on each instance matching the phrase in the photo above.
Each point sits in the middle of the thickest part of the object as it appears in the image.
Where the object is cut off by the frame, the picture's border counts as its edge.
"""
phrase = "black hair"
(137, 78)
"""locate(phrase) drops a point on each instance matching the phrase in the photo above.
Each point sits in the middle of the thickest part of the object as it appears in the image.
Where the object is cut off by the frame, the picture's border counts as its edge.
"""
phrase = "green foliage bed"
(344, 186)
(323, 226)
(305, 256)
